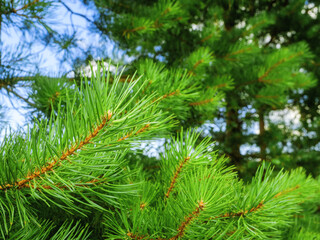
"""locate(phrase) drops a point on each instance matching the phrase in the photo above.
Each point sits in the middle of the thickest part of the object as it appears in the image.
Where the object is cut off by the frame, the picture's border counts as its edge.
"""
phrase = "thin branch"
(167, 95)
(286, 191)
(276, 65)
(203, 102)
(15, 11)
(31, 78)
(226, 57)
(26, 16)
(174, 179)
(156, 24)
(256, 208)
(207, 38)
(75, 13)
(130, 134)
(188, 219)
(22, 183)
(135, 236)
(125, 32)
(242, 212)
(253, 27)
(19, 96)
(268, 97)
(222, 85)
(86, 184)
(261, 79)
(27, 5)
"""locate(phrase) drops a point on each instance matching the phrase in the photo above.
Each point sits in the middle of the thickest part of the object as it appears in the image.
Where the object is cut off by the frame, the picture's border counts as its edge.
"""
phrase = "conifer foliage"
(79, 172)
(228, 47)
(72, 178)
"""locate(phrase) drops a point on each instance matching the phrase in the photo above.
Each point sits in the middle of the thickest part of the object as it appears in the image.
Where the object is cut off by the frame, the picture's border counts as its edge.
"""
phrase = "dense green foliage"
(205, 76)
(262, 54)
(72, 176)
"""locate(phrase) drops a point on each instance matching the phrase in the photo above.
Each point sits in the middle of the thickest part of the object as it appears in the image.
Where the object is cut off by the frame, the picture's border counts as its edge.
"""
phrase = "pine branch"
(176, 174)
(267, 97)
(222, 85)
(127, 31)
(203, 102)
(191, 72)
(182, 227)
(256, 208)
(260, 79)
(240, 213)
(286, 191)
(253, 27)
(22, 183)
(27, 5)
(191, 217)
(19, 96)
(176, 92)
(94, 182)
(130, 134)
(75, 13)
(154, 25)
(15, 11)
(207, 38)
(226, 57)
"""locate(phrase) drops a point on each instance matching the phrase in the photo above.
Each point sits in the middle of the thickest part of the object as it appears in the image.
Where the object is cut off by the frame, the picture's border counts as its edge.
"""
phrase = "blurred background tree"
(264, 56)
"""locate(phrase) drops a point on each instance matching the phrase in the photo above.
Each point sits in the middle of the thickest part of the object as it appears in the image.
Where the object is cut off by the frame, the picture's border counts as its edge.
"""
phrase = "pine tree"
(80, 171)
(73, 176)
(228, 50)
(299, 21)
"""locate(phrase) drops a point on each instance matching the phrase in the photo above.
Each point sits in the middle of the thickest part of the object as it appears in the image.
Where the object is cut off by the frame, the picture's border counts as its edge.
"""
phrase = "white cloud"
(289, 117)
(87, 70)
(311, 9)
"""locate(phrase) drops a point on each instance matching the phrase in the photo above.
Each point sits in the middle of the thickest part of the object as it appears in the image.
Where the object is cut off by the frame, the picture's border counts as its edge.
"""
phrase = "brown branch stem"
(37, 173)
(256, 208)
(174, 179)
(188, 220)
(203, 102)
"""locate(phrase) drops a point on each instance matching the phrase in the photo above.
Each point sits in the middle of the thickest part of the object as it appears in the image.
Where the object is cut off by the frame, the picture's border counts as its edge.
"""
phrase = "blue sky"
(15, 110)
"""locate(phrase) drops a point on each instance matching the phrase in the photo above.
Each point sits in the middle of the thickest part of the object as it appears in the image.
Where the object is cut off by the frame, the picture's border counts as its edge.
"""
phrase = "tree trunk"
(233, 133)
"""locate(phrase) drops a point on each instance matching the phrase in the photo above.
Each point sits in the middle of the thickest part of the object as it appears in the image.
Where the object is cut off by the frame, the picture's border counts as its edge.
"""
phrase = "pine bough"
(75, 177)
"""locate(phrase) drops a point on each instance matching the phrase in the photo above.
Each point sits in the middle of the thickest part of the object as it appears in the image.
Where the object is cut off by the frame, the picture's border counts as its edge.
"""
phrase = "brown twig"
(207, 38)
(133, 30)
(191, 71)
(201, 102)
(26, 6)
(286, 191)
(268, 97)
(174, 179)
(130, 134)
(166, 95)
(61, 187)
(188, 220)
(226, 57)
(277, 64)
(256, 208)
(37, 173)
(19, 96)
